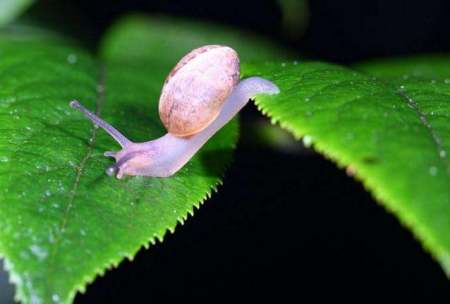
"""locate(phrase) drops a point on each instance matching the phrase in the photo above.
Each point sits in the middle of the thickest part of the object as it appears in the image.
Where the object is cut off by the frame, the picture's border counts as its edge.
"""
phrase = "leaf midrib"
(100, 97)
(437, 141)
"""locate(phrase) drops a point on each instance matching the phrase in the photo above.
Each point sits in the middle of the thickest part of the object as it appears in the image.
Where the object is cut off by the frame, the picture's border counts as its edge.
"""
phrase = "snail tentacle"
(119, 137)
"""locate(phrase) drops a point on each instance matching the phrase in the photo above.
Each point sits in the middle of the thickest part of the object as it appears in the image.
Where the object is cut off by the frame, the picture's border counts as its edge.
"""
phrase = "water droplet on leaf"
(433, 170)
(307, 141)
(72, 58)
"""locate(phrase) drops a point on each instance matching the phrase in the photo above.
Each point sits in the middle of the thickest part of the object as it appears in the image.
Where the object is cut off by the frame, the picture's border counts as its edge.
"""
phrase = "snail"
(201, 94)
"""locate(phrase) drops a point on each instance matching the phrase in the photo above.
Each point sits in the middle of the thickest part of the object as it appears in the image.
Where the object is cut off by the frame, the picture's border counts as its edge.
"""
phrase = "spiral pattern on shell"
(196, 89)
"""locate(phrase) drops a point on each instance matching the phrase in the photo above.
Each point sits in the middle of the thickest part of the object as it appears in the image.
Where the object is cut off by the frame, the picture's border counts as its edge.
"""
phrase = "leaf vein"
(80, 169)
(438, 143)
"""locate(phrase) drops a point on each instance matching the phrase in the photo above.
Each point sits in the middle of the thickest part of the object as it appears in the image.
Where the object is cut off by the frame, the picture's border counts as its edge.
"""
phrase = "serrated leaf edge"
(405, 217)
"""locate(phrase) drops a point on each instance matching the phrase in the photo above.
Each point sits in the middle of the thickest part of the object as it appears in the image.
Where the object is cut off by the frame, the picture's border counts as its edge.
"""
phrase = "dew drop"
(61, 187)
(447, 80)
(55, 298)
(307, 141)
(433, 170)
(72, 58)
(39, 252)
(4, 159)
(442, 153)
(283, 64)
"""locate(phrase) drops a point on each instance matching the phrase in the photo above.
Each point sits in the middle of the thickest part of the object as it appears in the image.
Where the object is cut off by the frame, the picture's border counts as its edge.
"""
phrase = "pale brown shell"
(196, 88)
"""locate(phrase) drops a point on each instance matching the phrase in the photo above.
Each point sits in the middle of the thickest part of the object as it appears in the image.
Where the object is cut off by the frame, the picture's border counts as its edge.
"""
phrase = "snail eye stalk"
(119, 137)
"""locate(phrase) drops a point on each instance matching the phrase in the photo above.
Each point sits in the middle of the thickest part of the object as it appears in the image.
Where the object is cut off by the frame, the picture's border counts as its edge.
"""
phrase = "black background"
(282, 225)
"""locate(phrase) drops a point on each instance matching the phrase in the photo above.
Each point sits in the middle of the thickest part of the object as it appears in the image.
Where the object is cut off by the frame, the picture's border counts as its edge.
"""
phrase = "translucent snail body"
(199, 97)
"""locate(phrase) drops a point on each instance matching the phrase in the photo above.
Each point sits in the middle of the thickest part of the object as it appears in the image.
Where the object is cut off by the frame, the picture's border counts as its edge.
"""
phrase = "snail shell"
(196, 88)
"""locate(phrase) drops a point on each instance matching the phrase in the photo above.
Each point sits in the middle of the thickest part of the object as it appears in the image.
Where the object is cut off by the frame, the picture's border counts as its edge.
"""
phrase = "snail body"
(199, 97)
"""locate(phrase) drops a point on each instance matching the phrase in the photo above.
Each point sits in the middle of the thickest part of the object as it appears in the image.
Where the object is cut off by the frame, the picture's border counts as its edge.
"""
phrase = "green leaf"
(392, 134)
(10, 9)
(431, 67)
(62, 220)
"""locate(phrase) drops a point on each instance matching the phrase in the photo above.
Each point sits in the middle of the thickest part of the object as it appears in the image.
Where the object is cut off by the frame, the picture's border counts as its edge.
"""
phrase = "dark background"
(284, 225)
